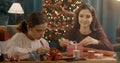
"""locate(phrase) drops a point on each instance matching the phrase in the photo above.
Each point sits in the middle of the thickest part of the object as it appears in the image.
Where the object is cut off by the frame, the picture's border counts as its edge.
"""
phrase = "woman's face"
(85, 18)
(38, 31)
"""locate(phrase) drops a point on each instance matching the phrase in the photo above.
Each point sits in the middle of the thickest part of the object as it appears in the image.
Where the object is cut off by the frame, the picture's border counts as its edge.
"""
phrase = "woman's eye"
(81, 16)
(88, 16)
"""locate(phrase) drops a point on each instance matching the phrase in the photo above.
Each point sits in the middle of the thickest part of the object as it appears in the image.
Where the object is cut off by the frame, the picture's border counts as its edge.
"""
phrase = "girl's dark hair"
(33, 19)
(95, 25)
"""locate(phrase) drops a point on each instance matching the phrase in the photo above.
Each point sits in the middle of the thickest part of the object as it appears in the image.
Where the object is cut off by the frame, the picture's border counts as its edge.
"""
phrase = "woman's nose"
(84, 19)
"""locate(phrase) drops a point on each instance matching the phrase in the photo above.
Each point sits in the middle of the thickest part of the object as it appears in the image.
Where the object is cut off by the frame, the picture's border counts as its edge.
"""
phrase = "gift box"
(54, 55)
(4, 35)
(104, 52)
(70, 49)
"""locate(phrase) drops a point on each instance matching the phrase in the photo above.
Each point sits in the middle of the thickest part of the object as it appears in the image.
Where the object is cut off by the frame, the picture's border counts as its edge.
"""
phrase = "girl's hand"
(63, 42)
(89, 40)
(43, 50)
(13, 58)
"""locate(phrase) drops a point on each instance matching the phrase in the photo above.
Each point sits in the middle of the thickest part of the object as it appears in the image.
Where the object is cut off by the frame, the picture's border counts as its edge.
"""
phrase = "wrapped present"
(104, 52)
(70, 49)
(4, 35)
(54, 55)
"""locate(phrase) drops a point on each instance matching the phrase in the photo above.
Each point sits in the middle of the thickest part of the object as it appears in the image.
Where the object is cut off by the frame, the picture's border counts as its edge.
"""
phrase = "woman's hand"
(89, 40)
(63, 42)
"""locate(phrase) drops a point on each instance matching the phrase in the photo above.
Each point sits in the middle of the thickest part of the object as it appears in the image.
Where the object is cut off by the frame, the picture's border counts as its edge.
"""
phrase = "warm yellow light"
(16, 8)
(118, 0)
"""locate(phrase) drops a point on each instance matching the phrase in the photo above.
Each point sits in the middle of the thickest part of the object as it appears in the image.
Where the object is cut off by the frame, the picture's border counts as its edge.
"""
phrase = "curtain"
(31, 5)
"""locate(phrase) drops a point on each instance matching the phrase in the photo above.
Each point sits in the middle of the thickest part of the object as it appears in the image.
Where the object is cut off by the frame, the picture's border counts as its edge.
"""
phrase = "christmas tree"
(60, 17)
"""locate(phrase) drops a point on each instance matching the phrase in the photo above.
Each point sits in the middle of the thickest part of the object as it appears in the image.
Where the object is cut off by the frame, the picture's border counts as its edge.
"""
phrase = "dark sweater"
(104, 44)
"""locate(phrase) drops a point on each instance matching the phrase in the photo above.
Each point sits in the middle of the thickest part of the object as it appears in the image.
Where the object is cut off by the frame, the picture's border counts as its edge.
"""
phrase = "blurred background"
(59, 21)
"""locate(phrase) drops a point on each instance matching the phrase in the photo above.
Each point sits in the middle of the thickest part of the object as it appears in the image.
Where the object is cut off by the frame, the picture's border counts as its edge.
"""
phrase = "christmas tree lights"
(60, 17)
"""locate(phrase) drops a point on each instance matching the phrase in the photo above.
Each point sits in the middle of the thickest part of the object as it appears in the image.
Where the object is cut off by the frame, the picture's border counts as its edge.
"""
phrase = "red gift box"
(70, 49)
(4, 35)
(54, 55)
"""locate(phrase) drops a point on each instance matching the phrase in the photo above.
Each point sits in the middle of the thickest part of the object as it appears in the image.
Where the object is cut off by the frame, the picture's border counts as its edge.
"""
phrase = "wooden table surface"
(103, 60)
(62, 61)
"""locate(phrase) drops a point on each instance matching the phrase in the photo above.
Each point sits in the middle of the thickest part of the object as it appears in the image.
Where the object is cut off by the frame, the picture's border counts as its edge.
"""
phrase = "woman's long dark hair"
(33, 19)
(95, 25)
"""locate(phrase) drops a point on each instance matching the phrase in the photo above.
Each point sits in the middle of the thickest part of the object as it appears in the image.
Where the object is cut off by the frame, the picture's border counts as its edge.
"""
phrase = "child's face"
(38, 31)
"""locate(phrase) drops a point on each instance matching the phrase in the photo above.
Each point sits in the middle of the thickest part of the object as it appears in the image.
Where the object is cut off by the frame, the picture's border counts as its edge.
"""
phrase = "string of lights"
(60, 17)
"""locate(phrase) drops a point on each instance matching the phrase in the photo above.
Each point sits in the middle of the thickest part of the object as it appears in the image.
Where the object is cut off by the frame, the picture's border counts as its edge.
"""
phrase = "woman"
(87, 30)
(28, 38)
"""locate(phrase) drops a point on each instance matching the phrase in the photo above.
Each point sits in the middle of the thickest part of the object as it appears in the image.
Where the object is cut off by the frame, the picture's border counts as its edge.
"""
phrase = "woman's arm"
(104, 43)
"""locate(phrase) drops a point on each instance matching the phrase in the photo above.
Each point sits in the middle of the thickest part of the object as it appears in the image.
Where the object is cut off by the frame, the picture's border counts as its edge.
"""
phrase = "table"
(62, 61)
(102, 60)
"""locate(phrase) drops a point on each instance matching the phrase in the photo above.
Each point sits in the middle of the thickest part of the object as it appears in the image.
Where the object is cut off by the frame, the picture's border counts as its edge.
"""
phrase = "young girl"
(28, 38)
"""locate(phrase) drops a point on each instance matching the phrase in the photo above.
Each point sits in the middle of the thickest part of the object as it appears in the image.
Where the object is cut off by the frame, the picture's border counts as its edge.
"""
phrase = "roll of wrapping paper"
(105, 52)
